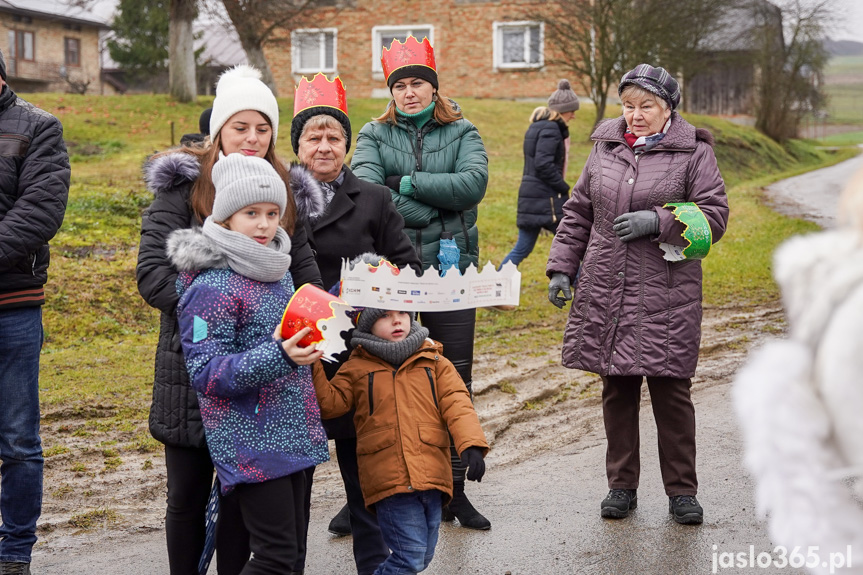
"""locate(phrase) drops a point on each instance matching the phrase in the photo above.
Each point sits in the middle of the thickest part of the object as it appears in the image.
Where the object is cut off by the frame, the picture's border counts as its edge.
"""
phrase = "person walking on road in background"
(245, 120)
(34, 189)
(359, 217)
(435, 163)
(648, 205)
(543, 189)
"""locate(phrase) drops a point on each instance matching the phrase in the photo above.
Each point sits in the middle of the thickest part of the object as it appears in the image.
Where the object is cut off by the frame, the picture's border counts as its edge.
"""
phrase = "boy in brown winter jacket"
(406, 395)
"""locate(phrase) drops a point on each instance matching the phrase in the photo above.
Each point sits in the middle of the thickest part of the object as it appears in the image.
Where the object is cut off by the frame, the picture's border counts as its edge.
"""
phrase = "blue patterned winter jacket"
(260, 412)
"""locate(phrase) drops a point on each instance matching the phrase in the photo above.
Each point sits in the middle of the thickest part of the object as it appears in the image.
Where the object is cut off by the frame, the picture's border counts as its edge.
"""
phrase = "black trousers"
(190, 479)
(675, 426)
(276, 515)
(455, 330)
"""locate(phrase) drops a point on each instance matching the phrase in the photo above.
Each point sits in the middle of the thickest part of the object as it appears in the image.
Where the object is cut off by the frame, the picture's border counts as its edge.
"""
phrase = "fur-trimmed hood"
(190, 250)
(174, 171)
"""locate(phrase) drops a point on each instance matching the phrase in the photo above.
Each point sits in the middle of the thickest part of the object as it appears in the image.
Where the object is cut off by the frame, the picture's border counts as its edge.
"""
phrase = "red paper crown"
(410, 53)
(320, 92)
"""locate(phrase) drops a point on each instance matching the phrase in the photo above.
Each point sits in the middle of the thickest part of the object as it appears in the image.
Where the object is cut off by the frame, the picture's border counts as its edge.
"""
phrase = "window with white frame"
(383, 36)
(518, 44)
(314, 50)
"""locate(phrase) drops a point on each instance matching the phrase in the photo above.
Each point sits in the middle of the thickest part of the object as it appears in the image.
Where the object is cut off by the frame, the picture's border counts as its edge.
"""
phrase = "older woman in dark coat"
(359, 218)
(648, 205)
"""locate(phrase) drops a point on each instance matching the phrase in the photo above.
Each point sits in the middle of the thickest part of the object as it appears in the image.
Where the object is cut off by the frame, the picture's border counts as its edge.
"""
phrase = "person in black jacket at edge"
(245, 119)
(34, 188)
(359, 218)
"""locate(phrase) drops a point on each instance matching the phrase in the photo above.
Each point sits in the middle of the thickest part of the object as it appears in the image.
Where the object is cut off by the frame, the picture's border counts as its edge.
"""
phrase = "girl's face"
(257, 221)
(247, 132)
(644, 115)
(393, 326)
(412, 95)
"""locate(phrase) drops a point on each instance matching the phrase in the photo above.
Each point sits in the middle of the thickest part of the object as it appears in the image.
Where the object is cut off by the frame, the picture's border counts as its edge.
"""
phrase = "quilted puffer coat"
(174, 415)
(402, 416)
(543, 191)
(448, 166)
(634, 313)
(259, 409)
(34, 188)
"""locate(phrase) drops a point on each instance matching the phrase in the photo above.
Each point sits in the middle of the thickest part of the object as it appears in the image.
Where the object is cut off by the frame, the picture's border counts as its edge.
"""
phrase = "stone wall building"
(50, 49)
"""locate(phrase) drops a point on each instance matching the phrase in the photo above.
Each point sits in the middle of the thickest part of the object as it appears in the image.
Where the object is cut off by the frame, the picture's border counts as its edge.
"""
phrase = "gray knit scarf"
(249, 258)
(393, 352)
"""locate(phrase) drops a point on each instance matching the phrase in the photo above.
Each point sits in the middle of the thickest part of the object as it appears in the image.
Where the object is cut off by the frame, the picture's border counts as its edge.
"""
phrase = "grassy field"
(97, 363)
(843, 84)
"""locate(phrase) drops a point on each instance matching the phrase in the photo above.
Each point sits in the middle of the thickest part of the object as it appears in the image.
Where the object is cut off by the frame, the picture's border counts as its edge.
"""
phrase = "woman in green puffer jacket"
(435, 163)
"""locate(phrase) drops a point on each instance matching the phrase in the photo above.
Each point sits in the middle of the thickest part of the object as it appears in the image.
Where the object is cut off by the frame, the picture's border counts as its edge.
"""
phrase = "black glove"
(632, 225)
(472, 458)
(394, 183)
(559, 283)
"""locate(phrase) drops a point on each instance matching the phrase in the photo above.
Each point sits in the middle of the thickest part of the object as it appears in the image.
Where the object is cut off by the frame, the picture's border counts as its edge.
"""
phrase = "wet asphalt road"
(545, 518)
(814, 196)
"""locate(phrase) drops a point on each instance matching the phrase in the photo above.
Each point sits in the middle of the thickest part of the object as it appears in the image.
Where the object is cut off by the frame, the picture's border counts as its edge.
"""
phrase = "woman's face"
(257, 221)
(412, 95)
(644, 115)
(322, 151)
(567, 116)
(247, 132)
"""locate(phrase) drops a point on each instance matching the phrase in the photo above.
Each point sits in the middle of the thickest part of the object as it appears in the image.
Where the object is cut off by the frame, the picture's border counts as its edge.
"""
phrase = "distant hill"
(844, 47)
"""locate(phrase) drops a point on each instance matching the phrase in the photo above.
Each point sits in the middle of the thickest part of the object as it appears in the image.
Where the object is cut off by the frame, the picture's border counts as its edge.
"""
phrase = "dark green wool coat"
(448, 166)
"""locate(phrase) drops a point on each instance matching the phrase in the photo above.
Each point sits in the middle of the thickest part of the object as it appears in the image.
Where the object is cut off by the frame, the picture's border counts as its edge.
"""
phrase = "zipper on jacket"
(371, 393)
(431, 383)
(33, 266)
(553, 215)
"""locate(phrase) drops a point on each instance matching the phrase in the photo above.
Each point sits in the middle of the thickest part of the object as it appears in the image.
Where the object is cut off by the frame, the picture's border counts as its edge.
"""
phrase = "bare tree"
(257, 20)
(181, 51)
(599, 40)
(588, 38)
(789, 83)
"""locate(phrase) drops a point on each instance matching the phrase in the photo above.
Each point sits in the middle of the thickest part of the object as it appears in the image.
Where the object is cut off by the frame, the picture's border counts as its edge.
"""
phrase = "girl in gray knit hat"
(406, 395)
(258, 407)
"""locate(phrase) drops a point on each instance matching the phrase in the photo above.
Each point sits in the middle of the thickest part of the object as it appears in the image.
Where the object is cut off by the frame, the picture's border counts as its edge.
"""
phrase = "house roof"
(221, 46)
(737, 25)
(53, 10)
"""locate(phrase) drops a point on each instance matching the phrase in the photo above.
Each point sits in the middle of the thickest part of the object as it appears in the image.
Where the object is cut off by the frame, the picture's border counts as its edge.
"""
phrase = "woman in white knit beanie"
(245, 120)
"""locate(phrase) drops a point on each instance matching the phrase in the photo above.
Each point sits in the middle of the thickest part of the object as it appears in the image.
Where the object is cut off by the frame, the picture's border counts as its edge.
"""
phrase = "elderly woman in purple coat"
(649, 203)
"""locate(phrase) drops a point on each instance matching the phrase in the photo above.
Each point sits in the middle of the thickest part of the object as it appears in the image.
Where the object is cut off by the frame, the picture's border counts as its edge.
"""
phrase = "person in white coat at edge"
(799, 400)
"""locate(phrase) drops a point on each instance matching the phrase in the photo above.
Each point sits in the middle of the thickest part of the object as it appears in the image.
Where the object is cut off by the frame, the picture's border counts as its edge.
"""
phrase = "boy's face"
(393, 326)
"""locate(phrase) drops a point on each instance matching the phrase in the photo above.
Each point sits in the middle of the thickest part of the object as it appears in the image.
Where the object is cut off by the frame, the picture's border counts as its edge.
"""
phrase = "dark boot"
(14, 568)
(686, 509)
(460, 508)
(341, 524)
(617, 503)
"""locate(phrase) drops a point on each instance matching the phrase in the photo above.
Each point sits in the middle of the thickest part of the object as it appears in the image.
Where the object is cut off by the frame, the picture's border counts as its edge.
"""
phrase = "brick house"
(483, 48)
(50, 47)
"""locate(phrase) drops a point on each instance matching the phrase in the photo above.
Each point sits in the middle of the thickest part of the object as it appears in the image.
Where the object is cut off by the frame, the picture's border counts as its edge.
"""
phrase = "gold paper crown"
(410, 53)
(320, 92)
